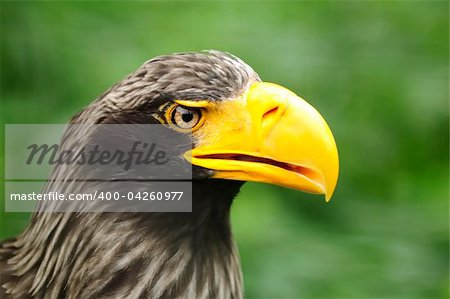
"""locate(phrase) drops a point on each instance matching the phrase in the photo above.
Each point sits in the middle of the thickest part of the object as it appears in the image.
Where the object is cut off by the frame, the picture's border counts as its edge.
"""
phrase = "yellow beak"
(269, 135)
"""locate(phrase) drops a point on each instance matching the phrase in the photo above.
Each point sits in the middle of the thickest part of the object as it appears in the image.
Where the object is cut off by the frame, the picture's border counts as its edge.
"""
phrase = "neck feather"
(150, 255)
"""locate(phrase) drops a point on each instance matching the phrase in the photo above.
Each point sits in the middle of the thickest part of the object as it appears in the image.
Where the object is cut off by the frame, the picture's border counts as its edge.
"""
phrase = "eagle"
(243, 129)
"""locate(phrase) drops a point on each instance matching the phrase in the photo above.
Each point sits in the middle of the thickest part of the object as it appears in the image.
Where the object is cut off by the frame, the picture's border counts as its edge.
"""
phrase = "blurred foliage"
(377, 71)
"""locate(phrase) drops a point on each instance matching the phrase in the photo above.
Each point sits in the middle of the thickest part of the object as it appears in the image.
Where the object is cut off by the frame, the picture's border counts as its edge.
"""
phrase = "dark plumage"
(251, 134)
(138, 255)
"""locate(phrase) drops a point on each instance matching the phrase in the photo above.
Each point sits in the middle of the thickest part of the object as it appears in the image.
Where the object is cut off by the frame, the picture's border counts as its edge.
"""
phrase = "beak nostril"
(269, 119)
(271, 113)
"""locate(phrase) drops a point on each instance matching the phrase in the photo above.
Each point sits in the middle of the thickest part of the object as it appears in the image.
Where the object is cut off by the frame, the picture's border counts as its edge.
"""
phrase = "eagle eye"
(184, 118)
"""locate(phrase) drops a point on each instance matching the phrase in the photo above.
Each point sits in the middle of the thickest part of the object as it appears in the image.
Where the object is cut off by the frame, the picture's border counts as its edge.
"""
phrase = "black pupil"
(187, 116)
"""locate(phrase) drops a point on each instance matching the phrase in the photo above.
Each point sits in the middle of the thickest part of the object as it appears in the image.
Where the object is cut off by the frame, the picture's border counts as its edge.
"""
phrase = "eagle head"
(240, 128)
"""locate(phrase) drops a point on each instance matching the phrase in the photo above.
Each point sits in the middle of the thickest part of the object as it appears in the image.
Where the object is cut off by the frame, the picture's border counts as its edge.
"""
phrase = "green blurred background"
(377, 71)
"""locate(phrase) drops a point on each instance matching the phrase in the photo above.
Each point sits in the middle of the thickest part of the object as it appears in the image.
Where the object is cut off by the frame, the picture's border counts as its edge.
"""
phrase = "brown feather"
(138, 255)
